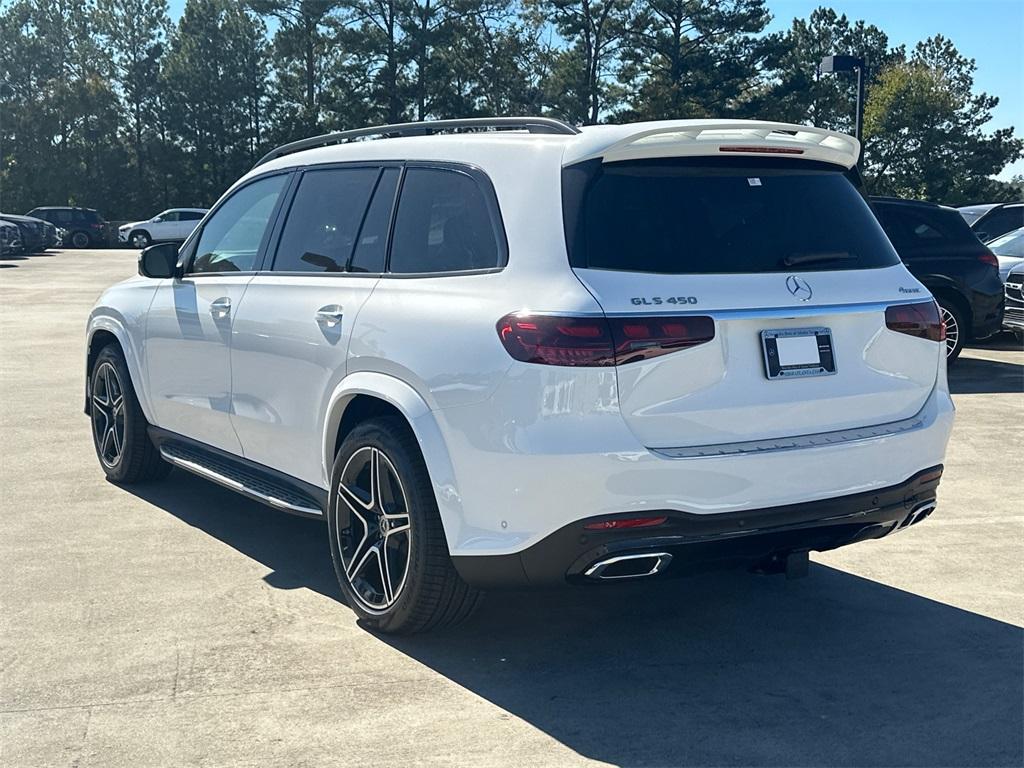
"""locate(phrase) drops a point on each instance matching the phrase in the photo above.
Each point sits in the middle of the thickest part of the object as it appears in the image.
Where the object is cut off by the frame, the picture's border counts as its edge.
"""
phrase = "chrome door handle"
(331, 315)
(220, 308)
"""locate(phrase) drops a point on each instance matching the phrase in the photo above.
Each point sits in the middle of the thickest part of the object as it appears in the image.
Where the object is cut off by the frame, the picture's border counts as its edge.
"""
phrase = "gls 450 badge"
(655, 300)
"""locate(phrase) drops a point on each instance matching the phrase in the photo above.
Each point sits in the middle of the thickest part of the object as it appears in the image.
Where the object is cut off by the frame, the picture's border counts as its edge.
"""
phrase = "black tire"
(131, 457)
(80, 239)
(143, 238)
(956, 329)
(429, 592)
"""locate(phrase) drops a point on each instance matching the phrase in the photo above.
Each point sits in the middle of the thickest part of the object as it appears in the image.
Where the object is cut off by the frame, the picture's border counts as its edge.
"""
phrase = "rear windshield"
(711, 215)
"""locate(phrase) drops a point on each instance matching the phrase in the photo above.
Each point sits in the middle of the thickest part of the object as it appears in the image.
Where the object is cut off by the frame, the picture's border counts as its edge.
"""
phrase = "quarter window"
(443, 224)
(231, 239)
(324, 220)
(371, 249)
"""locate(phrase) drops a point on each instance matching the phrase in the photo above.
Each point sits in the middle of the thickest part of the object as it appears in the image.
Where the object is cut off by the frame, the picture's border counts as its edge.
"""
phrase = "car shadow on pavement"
(736, 669)
(717, 669)
(974, 376)
(295, 548)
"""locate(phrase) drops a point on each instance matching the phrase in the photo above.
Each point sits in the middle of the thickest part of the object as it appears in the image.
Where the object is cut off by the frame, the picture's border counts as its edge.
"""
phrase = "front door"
(188, 331)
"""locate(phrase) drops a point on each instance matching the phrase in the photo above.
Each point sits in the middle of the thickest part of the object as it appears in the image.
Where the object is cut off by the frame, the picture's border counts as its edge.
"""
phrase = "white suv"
(511, 352)
(173, 225)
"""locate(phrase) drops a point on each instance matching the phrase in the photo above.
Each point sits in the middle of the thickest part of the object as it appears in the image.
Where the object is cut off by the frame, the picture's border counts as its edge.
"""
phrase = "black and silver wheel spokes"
(374, 528)
(108, 414)
(952, 330)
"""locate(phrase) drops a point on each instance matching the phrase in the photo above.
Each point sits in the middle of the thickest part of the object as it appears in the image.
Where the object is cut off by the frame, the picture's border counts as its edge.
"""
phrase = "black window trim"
(186, 255)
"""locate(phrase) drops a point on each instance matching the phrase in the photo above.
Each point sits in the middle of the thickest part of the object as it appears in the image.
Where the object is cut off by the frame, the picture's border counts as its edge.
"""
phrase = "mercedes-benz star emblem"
(799, 288)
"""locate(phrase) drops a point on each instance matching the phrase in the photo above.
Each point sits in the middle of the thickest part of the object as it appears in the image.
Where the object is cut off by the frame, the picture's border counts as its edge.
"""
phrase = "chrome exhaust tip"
(635, 566)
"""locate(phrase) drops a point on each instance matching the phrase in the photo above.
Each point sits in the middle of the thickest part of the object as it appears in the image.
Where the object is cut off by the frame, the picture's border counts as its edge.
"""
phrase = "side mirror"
(159, 261)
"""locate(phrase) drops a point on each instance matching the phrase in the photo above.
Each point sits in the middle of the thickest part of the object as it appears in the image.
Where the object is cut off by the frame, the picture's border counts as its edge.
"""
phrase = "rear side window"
(1000, 222)
(231, 239)
(324, 219)
(443, 224)
(710, 215)
(190, 216)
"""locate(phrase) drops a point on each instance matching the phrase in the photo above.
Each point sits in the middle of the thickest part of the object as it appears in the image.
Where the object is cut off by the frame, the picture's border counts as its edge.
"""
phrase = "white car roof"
(667, 138)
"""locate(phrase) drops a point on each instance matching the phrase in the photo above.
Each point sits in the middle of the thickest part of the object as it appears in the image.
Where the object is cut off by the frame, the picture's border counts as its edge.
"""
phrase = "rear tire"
(387, 542)
(956, 330)
(80, 240)
(119, 428)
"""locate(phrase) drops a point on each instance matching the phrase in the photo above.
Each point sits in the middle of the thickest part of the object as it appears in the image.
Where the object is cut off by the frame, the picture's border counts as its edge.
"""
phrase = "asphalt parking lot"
(177, 624)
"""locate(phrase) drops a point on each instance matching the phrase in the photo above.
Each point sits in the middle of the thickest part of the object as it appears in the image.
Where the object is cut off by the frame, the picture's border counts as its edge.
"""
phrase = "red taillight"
(629, 522)
(598, 341)
(987, 257)
(921, 319)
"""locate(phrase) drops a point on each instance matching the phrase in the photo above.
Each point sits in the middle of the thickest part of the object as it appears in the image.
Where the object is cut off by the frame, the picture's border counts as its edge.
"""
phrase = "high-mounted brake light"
(921, 319)
(764, 150)
(600, 341)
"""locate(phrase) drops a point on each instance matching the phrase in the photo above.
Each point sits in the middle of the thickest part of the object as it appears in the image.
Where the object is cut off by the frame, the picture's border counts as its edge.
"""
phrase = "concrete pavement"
(177, 624)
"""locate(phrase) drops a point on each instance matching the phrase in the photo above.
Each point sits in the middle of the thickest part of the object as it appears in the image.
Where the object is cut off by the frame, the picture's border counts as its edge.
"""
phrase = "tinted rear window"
(702, 216)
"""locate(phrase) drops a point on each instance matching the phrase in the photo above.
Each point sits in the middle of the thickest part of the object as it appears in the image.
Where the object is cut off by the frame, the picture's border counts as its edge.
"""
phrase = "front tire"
(386, 538)
(956, 331)
(119, 428)
(140, 239)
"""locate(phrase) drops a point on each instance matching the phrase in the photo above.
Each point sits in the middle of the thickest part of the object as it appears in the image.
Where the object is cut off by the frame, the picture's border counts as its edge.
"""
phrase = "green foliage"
(106, 103)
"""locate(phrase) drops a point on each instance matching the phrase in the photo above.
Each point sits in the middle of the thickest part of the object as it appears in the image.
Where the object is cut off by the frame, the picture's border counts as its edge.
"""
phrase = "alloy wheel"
(80, 240)
(374, 529)
(952, 330)
(108, 414)
(140, 241)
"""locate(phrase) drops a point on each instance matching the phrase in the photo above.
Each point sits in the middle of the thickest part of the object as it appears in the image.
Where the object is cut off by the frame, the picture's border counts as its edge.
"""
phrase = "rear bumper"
(757, 538)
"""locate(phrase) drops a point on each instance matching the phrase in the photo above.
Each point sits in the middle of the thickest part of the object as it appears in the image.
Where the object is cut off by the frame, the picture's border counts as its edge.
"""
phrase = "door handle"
(220, 308)
(330, 316)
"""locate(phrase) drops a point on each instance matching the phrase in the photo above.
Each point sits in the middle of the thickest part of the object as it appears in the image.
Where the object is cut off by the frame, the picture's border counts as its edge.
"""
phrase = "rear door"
(291, 335)
(791, 266)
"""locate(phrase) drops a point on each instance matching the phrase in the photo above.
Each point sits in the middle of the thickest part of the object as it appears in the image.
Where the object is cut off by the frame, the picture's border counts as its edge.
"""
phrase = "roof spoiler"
(746, 137)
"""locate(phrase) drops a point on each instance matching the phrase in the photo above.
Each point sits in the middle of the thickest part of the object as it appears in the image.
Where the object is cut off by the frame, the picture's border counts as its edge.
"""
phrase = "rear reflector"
(764, 150)
(630, 522)
(600, 341)
(921, 319)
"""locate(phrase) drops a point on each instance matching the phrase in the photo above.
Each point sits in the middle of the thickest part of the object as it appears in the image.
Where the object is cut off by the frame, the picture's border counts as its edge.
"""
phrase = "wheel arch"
(366, 394)
(105, 330)
(954, 296)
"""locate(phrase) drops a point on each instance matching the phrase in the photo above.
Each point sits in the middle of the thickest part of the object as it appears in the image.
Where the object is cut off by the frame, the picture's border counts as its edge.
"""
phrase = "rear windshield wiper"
(809, 258)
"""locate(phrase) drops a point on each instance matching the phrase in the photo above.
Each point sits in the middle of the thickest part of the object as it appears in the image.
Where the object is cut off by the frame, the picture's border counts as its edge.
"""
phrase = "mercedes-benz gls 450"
(496, 352)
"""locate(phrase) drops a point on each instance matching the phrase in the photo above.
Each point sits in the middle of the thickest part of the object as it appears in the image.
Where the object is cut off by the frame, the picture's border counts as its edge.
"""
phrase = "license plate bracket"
(792, 353)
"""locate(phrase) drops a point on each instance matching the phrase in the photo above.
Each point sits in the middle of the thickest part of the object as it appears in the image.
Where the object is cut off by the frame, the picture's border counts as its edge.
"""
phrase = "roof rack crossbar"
(424, 128)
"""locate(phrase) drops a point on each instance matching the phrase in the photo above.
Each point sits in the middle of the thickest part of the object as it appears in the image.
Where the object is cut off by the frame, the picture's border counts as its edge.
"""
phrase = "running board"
(240, 478)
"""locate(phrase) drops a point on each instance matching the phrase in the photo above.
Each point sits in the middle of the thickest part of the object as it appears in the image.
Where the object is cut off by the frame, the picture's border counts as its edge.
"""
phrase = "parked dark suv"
(942, 252)
(85, 227)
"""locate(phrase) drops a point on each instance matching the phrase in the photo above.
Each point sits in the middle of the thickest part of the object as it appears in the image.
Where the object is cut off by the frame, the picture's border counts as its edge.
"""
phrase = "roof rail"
(424, 128)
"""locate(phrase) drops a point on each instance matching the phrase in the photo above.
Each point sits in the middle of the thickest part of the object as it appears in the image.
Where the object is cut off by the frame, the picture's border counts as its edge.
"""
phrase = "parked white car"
(173, 225)
(1009, 250)
(520, 353)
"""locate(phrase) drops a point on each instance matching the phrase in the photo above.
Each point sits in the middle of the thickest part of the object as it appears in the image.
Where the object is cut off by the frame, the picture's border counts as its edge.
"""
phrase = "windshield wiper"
(809, 258)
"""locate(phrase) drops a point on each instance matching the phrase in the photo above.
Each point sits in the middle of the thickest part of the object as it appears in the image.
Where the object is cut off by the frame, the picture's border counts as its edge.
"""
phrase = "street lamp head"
(843, 63)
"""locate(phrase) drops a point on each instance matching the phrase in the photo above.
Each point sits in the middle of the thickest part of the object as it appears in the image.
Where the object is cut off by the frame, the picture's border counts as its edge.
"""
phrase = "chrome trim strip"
(732, 314)
(227, 482)
(856, 434)
(598, 568)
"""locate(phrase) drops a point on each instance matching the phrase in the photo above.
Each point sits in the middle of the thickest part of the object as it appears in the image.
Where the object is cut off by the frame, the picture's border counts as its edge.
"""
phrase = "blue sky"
(989, 31)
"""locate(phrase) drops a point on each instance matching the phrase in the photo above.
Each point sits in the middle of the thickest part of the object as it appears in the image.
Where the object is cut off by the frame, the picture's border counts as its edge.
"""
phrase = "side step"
(243, 479)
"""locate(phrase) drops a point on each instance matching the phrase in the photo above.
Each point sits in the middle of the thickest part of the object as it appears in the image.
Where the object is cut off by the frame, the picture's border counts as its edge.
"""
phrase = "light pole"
(831, 64)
